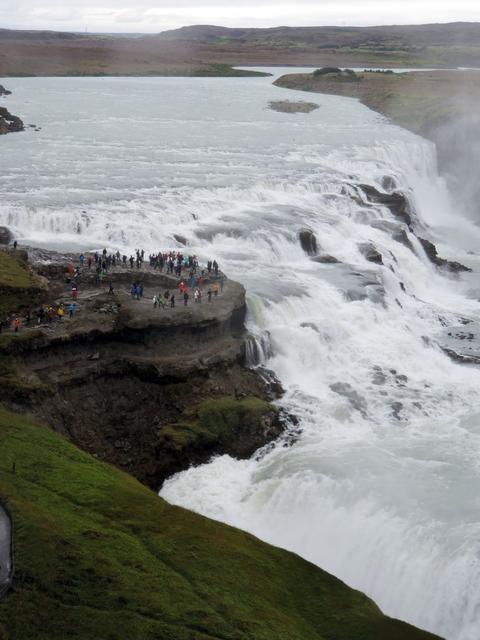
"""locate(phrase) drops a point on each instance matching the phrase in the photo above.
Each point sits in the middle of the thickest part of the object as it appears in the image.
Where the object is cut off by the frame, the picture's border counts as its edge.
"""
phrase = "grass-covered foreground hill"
(98, 555)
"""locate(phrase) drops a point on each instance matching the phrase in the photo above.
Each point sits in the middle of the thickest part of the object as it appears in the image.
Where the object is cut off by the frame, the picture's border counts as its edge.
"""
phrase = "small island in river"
(287, 106)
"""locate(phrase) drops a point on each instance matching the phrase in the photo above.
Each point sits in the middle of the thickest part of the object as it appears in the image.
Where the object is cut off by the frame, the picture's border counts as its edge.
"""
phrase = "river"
(381, 488)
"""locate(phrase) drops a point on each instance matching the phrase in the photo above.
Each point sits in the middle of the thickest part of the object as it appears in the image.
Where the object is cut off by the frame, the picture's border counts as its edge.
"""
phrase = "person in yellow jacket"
(60, 312)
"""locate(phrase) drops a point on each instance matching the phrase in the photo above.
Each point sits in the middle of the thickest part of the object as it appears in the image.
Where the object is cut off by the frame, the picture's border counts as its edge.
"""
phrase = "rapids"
(382, 487)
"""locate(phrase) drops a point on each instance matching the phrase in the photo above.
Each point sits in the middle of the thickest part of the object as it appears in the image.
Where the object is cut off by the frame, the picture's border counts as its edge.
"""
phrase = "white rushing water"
(382, 488)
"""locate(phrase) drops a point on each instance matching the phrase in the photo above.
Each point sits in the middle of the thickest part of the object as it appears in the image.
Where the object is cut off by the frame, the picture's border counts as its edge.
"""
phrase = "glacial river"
(382, 487)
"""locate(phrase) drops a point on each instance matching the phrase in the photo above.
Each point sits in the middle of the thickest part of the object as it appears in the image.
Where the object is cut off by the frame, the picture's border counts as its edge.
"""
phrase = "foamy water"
(382, 487)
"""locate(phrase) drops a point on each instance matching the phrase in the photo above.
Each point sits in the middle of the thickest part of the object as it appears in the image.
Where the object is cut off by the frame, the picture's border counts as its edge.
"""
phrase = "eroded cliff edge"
(150, 390)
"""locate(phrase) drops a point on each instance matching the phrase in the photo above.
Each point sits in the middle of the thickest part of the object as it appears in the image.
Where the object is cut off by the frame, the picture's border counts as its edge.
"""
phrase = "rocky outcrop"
(370, 252)
(128, 382)
(9, 123)
(180, 239)
(308, 241)
(4, 92)
(396, 202)
(326, 258)
(432, 254)
(6, 236)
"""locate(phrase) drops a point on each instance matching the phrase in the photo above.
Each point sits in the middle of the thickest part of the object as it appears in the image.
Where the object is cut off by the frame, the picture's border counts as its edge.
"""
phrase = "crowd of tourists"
(195, 283)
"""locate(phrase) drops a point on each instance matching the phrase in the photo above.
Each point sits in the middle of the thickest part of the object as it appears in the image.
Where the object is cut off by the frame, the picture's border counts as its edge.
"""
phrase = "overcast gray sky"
(158, 15)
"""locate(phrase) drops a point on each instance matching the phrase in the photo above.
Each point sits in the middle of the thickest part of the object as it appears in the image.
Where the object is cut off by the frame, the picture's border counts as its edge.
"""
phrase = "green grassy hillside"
(98, 555)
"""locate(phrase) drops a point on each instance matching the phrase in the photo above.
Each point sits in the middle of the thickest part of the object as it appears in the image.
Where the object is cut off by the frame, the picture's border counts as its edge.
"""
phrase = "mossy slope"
(98, 555)
(19, 286)
(215, 421)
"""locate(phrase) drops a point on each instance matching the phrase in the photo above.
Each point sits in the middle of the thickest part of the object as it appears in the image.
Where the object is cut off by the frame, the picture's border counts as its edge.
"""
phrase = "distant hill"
(453, 34)
(212, 50)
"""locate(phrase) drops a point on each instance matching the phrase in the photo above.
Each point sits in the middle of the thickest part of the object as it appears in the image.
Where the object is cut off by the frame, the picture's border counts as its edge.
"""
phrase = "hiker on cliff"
(82, 259)
(74, 293)
(60, 312)
(15, 245)
(71, 309)
(131, 262)
(196, 296)
(16, 324)
(209, 294)
(155, 302)
(222, 282)
(111, 291)
(215, 267)
(216, 289)
(185, 297)
(40, 315)
(172, 302)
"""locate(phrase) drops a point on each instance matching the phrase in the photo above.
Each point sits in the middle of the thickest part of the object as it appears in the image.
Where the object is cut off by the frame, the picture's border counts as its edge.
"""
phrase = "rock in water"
(4, 92)
(9, 123)
(180, 239)
(396, 202)
(6, 235)
(308, 241)
(432, 254)
(369, 251)
(326, 259)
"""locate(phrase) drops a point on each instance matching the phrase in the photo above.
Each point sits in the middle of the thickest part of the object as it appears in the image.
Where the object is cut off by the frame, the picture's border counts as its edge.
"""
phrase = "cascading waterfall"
(382, 486)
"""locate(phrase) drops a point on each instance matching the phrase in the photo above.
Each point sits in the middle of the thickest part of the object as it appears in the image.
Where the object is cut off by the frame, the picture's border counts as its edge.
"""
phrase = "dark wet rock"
(4, 92)
(370, 252)
(432, 254)
(180, 239)
(326, 259)
(379, 377)
(388, 183)
(9, 123)
(308, 241)
(397, 231)
(310, 325)
(354, 398)
(396, 202)
(396, 409)
(6, 236)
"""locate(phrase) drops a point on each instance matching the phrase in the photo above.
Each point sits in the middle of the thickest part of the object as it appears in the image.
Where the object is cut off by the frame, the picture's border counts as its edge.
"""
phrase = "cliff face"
(149, 390)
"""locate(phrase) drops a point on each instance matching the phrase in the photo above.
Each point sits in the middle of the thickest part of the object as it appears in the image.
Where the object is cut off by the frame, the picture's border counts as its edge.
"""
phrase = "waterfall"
(381, 487)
